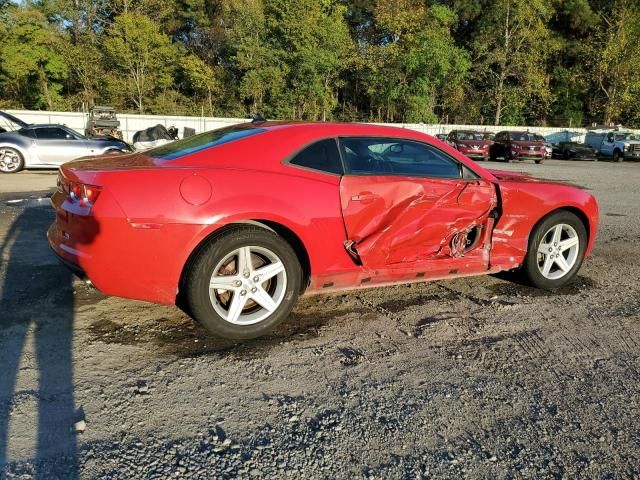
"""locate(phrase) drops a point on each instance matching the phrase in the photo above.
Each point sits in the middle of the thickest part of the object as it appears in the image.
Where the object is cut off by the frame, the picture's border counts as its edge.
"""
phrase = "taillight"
(84, 195)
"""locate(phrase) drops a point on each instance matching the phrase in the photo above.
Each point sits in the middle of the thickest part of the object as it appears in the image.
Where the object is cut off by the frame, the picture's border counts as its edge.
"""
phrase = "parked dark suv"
(517, 146)
(470, 142)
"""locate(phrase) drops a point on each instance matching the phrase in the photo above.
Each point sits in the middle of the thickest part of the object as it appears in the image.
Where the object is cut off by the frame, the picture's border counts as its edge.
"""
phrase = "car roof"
(40, 125)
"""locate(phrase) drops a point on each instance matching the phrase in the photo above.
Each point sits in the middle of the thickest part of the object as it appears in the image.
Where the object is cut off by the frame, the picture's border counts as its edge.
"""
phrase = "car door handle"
(364, 197)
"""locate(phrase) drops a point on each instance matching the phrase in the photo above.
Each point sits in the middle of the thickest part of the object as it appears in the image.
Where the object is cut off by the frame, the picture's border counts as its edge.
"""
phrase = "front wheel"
(11, 160)
(556, 250)
(243, 283)
(617, 156)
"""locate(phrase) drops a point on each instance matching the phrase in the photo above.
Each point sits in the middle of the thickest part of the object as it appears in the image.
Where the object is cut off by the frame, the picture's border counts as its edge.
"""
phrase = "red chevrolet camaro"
(236, 223)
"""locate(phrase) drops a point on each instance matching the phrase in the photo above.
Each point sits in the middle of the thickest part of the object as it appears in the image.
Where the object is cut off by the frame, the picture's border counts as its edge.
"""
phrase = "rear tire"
(11, 160)
(538, 161)
(250, 298)
(556, 250)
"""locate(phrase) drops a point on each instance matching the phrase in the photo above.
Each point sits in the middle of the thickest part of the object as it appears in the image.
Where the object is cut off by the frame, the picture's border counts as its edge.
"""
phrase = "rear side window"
(205, 140)
(322, 155)
(51, 133)
(27, 132)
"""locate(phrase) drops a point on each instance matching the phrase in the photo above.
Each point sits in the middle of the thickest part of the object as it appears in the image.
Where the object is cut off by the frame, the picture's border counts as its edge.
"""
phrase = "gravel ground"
(476, 378)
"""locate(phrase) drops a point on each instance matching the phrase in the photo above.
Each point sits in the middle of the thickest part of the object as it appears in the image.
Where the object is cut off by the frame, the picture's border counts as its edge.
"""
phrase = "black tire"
(16, 153)
(567, 155)
(530, 269)
(617, 156)
(220, 246)
(538, 161)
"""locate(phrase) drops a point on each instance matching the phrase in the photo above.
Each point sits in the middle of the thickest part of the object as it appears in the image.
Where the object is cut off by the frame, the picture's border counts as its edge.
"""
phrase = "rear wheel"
(243, 283)
(538, 161)
(556, 250)
(11, 160)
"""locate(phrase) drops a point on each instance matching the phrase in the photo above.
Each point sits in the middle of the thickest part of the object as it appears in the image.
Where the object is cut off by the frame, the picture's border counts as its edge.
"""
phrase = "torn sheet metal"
(393, 221)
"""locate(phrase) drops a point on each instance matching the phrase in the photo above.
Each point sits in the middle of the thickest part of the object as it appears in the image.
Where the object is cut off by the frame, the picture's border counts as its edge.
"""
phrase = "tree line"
(536, 62)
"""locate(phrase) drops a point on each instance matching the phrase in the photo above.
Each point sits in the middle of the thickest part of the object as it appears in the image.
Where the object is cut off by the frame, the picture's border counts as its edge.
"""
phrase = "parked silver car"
(49, 146)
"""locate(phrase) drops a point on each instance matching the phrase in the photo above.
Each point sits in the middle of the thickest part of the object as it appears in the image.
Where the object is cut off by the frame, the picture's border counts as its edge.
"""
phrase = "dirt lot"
(477, 378)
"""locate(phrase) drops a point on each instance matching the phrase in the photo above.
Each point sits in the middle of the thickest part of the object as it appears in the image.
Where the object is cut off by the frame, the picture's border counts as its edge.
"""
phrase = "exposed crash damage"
(401, 223)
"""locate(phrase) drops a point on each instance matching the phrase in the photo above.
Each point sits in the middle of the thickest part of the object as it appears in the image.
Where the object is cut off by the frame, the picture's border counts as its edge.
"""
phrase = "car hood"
(473, 143)
(508, 176)
(13, 119)
(522, 177)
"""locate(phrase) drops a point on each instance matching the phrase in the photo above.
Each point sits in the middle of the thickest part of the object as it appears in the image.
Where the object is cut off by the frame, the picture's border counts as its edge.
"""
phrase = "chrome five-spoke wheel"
(10, 160)
(248, 285)
(558, 251)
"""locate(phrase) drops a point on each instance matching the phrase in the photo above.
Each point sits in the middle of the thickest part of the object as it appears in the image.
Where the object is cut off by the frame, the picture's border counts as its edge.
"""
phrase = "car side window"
(27, 132)
(51, 133)
(322, 155)
(388, 156)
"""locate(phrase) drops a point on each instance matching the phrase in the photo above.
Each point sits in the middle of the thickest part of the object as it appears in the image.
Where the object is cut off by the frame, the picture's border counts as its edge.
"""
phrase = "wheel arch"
(568, 208)
(284, 231)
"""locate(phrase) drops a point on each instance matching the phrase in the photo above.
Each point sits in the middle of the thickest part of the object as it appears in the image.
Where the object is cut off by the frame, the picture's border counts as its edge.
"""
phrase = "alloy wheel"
(248, 285)
(9, 160)
(558, 251)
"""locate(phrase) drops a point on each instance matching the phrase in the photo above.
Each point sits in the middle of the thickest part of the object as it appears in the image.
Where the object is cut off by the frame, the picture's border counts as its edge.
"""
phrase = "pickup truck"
(617, 144)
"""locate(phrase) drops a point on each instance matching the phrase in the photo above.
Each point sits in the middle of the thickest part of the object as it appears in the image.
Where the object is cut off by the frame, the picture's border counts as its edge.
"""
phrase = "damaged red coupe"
(236, 223)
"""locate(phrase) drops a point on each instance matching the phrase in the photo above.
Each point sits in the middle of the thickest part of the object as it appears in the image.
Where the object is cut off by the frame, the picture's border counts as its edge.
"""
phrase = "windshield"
(470, 136)
(523, 137)
(205, 140)
(78, 136)
(627, 136)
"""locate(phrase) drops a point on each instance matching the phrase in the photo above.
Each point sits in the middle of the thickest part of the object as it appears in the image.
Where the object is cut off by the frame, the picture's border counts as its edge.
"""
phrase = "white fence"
(130, 124)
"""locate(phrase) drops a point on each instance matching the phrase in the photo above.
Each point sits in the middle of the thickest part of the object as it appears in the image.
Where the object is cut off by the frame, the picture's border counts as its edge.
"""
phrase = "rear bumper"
(118, 258)
(73, 267)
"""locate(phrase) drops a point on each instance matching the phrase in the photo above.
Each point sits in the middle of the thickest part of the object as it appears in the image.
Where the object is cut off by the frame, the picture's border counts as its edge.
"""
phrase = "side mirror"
(68, 136)
(396, 148)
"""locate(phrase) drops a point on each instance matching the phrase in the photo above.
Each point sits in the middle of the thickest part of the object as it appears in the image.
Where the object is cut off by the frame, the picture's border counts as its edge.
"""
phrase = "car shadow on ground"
(36, 301)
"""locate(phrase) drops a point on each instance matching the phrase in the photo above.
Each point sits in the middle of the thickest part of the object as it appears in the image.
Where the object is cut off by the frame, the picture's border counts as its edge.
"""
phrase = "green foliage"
(142, 57)
(475, 61)
(32, 69)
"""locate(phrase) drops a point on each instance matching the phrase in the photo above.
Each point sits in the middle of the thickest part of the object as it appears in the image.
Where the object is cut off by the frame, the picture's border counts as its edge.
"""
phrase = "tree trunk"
(499, 95)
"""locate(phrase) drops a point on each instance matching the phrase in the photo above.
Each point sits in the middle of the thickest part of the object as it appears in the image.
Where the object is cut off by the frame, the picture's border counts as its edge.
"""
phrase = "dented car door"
(409, 205)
